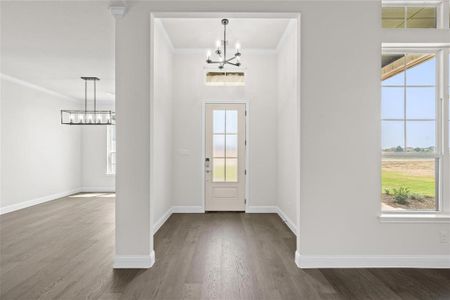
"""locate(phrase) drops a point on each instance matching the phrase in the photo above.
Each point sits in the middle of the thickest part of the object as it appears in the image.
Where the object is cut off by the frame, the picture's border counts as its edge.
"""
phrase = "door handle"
(207, 165)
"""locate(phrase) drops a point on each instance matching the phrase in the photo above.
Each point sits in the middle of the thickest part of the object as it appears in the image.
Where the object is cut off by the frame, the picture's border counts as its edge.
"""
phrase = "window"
(225, 146)
(225, 78)
(410, 139)
(409, 16)
(111, 149)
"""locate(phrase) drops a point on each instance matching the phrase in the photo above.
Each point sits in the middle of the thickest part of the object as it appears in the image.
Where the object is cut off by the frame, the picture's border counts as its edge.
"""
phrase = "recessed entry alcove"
(225, 139)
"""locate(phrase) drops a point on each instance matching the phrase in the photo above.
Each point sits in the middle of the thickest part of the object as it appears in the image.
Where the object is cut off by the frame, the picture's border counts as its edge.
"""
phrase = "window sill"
(414, 218)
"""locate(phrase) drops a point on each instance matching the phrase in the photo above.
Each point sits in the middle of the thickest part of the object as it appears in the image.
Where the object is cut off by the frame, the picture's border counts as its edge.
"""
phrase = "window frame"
(441, 8)
(224, 83)
(442, 140)
(110, 151)
(445, 104)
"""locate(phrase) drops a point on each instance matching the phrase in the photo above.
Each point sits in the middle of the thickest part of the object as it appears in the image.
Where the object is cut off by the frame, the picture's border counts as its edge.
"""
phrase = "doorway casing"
(296, 16)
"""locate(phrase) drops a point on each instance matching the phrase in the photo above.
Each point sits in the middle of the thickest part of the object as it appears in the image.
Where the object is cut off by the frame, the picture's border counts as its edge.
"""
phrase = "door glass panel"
(218, 169)
(219, 145)
(219, 121)
(225, 146)
(232, 121)
(231, 170)
(232, 147)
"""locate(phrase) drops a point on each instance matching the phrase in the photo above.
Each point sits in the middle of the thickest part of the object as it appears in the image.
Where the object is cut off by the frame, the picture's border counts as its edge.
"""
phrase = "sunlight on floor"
(90, 195)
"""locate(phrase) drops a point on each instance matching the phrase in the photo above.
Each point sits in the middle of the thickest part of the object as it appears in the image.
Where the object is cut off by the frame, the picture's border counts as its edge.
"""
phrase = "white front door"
(225, 144)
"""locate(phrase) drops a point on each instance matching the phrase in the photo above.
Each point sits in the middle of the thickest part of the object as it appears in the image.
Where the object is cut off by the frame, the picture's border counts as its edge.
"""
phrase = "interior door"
(225, 144)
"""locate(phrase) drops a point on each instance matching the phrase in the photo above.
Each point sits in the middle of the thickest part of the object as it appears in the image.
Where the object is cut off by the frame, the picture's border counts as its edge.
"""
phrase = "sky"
(420, 104)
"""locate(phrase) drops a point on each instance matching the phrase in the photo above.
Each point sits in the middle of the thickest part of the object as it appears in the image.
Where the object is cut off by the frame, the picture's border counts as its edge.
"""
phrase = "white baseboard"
(107, 189)
(162, 220)
(36, 201)
(261, 209)
(275, 210)
(187, 209)
(297, 259)
(286, 220)
(372, 261)
(134, 261)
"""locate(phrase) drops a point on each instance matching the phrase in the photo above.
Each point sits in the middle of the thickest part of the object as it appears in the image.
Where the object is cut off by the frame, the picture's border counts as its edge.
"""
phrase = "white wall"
(190, 92)
(162, 117)
(134, 240)
(340, 130)
(94, 158)
(287, 134)
(40, 158)
(340, 139)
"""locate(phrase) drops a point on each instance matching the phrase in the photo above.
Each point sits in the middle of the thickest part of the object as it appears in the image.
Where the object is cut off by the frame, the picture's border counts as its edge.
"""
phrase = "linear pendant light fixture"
(222, 53)
(88, 117)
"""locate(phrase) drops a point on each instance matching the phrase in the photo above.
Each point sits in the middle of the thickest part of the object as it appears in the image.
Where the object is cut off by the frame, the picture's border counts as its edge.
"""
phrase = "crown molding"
(36, 87)
(164, 33)
(203, 51)
(118, 9)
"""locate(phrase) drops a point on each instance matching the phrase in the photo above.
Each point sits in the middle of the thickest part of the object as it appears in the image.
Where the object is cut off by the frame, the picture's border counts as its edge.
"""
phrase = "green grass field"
(423, 185)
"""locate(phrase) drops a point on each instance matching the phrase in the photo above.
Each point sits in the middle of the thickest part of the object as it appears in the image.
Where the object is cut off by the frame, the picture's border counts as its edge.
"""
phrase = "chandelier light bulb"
(99, 118)
(217, 44)
(238, 47)
(90, 118)
(208, 54)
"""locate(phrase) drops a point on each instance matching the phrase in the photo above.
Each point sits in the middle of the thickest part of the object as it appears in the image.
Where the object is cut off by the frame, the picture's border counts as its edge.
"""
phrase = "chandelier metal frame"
(88, 117)
(221, 51)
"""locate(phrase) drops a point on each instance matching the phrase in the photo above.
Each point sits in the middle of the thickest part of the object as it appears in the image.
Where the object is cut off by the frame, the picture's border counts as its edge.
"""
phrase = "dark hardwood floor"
(64, 250)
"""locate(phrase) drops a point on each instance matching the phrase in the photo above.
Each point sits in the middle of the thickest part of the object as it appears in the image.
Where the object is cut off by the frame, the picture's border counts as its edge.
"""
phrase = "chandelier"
(221, 51)
(88, 117)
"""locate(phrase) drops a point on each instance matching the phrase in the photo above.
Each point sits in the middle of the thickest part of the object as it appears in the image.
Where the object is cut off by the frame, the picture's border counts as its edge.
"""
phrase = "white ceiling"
(53, 43)
(203, 32)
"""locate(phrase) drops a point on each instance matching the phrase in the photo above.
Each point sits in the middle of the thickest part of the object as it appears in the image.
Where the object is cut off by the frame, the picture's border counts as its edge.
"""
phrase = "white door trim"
(247, 137)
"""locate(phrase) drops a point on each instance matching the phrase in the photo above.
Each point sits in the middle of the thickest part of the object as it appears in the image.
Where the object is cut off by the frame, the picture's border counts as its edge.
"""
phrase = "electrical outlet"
(443, 236)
